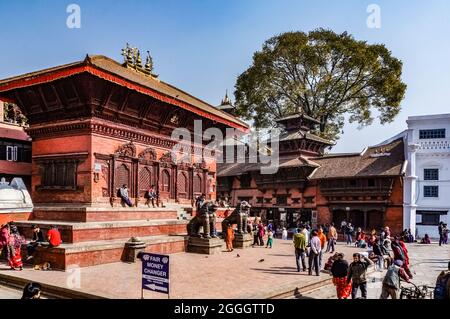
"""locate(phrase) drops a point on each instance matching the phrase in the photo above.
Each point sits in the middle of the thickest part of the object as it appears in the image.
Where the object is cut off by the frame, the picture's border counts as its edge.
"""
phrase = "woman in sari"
(16, 241)
(339, 271)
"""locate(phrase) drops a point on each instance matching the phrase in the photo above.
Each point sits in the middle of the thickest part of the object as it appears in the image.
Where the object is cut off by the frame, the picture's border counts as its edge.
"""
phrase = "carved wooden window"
(122, 176)
(245, 181)
(145, 179)
(281, 199)
(165, 181)
(182, 184)
(59, 174)
(197, 184)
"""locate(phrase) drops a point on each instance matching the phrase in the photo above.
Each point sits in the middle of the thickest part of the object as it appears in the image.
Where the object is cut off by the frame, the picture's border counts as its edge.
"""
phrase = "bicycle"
(416, 292)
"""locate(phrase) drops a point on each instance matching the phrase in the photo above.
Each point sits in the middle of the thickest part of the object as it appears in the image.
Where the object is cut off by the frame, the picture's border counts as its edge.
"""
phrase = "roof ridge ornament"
(132, 60)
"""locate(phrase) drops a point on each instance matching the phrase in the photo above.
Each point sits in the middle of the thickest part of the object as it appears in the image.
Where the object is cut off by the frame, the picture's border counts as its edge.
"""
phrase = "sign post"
(155, 273)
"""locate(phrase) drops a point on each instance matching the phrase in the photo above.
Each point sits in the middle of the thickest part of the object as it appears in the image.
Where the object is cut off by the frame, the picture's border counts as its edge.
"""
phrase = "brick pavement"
(193, 275)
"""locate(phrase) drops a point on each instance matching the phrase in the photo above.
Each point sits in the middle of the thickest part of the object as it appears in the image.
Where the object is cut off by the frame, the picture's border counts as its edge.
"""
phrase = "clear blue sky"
(201, 46)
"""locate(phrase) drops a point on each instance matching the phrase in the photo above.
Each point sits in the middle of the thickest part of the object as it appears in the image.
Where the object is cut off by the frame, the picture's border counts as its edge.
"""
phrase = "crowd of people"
(11, 242)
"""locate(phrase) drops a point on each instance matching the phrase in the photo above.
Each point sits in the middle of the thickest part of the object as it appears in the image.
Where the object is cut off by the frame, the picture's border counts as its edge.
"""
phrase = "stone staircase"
(93, 236)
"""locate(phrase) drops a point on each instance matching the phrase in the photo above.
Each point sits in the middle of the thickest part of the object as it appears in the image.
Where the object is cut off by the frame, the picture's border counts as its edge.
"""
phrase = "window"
(431, 191)
(352, 182)
(245, 181)
(429, 134)
(259, 200)
(59, 174)
(246, 199)
(431, 174)
(15, 152)
(281, 199)
(371, 183)
(430, 219)
(11, 153)
(309, 199)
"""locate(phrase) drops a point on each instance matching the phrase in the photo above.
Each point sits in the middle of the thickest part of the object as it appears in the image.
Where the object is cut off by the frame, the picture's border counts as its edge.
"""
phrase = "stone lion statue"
(206, 218)
(239, 216)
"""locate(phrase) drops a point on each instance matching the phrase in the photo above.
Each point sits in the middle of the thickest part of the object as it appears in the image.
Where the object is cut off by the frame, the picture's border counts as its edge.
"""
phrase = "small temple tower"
(297, 138)
(226, 105)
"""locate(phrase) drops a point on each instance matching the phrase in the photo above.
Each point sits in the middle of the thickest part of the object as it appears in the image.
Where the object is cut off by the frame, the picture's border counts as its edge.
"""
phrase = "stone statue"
(239, 216)
(206, 218)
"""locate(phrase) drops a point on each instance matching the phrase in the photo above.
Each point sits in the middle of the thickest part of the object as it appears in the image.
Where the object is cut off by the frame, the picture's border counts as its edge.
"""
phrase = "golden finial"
(148, 64)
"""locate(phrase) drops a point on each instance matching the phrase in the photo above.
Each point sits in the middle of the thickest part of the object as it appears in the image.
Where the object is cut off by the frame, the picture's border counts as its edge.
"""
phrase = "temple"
(95, 125)
(310, 185)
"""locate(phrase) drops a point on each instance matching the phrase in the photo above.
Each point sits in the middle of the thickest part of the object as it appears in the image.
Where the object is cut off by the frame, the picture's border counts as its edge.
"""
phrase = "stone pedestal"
(205, 246)
(132, 249)
(242, 240)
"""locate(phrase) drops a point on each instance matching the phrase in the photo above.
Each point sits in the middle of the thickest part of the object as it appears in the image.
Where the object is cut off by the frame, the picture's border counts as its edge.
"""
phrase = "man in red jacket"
(54, 237)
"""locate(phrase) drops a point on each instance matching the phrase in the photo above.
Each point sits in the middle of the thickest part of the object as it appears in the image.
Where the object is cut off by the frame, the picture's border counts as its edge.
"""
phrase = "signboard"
(155, 272)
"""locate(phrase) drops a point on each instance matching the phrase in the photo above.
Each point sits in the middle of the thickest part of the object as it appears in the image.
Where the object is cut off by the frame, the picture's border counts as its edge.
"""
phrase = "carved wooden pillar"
(365, 219)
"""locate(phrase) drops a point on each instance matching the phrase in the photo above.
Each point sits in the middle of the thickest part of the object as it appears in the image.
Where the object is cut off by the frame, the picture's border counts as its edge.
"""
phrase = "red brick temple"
(95, 125)
(365, 188)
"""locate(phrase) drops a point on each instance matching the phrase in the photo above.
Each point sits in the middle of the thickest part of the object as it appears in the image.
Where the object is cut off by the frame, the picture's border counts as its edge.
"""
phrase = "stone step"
(75, 232)
(99, 252)
(93, 214)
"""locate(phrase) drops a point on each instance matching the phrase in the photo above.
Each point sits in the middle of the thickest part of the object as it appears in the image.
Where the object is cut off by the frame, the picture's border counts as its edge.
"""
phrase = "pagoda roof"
(298, 115)
(300, 134)
(110, 70)
(236, 169)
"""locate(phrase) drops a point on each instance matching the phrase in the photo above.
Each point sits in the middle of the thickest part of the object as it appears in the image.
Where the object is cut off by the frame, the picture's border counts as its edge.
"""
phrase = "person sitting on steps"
(151, 196)
(123, 194)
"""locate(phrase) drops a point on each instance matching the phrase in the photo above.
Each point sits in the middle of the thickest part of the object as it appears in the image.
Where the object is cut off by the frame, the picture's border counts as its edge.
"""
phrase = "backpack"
(441, 285)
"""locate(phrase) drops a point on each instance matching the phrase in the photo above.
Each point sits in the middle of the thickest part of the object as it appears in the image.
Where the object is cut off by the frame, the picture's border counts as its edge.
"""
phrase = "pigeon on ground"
(238, 255)
(261, 260)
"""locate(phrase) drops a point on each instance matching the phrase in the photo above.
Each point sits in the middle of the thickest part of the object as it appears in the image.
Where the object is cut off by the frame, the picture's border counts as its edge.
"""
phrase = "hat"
(398, 262)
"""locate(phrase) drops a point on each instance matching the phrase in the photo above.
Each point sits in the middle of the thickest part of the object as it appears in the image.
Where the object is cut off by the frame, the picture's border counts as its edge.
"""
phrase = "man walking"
(441, 237)
(357, 274)
(391, 282)
(332, 238)
(349, 233)
(314, 253)
(323, 240)
(300, 248)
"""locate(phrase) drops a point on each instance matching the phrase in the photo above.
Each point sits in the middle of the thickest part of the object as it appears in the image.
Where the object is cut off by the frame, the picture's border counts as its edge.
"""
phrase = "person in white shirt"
(306, 233)
(284, 234)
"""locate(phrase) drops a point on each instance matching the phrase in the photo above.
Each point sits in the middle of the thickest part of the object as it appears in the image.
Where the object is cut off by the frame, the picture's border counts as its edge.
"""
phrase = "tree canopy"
(325, 75)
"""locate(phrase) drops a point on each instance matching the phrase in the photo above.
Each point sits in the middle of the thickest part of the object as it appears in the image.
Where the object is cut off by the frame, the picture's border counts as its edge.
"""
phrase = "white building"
(427, 181)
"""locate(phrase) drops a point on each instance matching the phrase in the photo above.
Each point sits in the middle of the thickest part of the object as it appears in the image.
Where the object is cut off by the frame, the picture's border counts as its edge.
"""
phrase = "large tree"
(325, 75)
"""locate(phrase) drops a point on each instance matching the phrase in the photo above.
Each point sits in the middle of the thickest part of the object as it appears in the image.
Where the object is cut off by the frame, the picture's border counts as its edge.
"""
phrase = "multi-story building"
(364, 188)
(15, 147)
(427, 183)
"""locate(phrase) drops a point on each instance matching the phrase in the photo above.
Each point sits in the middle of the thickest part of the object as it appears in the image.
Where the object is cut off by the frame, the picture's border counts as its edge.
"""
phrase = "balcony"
(434, 145)
(357, 191)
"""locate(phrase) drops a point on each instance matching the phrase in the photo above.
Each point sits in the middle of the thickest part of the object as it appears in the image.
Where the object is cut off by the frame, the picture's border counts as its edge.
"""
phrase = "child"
(269, 239)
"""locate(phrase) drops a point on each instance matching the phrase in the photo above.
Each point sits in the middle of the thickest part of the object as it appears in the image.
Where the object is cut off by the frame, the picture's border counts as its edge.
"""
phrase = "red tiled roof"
(104, 67)
(381, 160)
